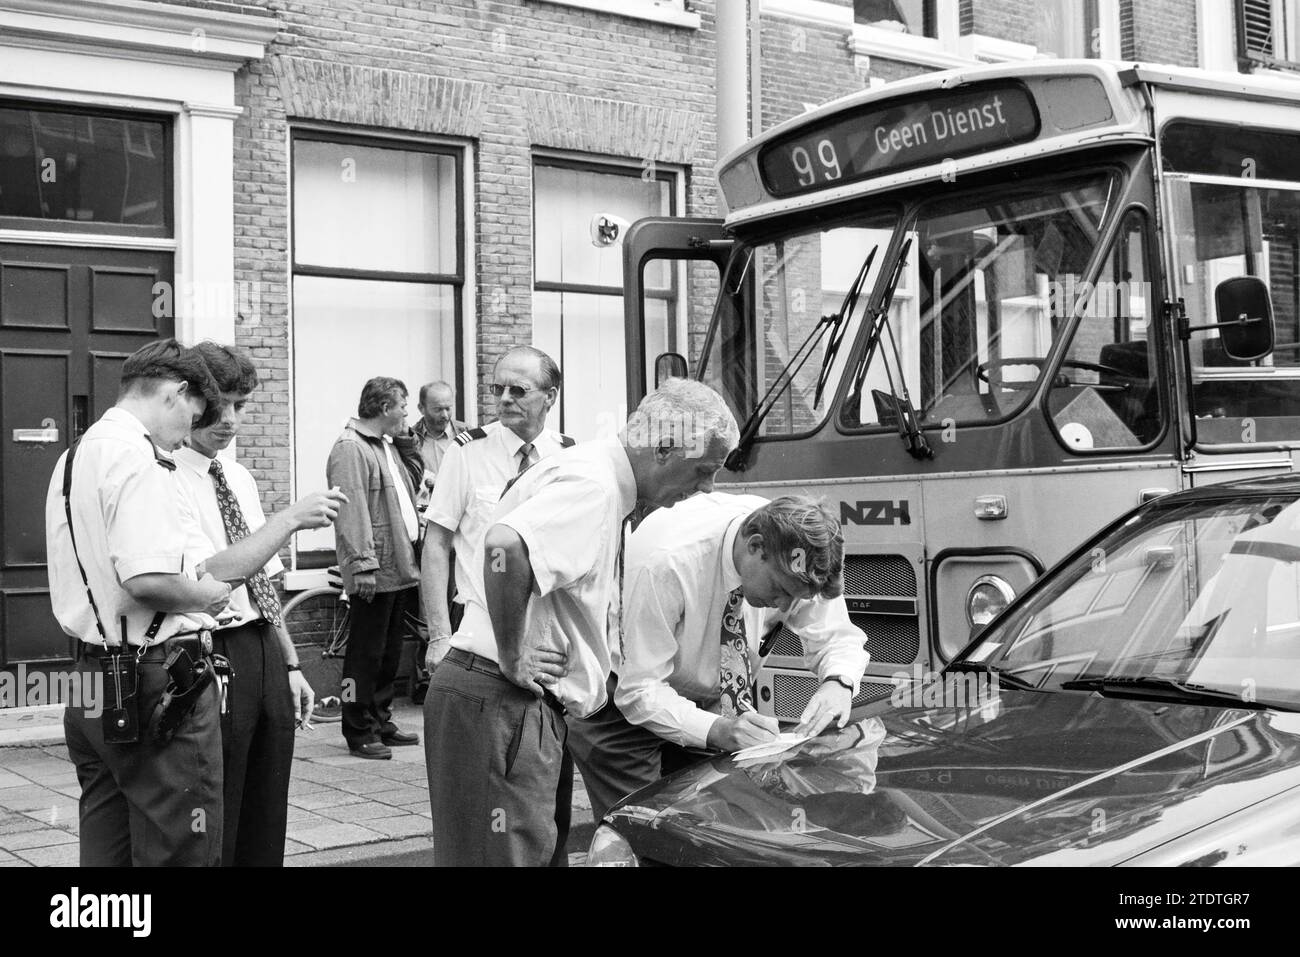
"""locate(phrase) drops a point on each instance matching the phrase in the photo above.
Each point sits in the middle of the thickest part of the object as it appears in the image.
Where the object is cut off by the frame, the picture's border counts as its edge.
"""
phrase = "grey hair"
(684, 413)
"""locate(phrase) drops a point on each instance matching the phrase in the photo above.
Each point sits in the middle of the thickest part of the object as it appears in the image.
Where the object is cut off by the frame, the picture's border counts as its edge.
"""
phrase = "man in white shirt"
(375, 538)
(267, 691)
(703, 581)
(534, 640)
(124, 556)
(474, 472)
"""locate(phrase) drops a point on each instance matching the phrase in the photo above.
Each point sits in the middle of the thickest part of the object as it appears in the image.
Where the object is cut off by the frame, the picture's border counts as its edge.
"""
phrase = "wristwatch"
(840, 679)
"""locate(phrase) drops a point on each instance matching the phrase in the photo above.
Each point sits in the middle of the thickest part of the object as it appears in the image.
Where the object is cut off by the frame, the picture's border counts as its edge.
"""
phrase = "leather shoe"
(399, 739)
(371, 749)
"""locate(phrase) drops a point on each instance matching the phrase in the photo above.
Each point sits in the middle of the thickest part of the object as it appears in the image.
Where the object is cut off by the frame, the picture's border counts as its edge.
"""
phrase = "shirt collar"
(730, 573)
(357, 426)
(120, 416)
(195, 461)
(514, 443)
(624, 474)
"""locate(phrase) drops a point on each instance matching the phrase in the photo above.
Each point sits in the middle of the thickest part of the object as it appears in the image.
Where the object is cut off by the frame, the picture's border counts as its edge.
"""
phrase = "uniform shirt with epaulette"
(474, 472)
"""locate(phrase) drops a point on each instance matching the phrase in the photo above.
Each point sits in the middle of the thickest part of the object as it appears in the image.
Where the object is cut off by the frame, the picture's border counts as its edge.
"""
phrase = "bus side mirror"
(669, 365)
(1245, 317)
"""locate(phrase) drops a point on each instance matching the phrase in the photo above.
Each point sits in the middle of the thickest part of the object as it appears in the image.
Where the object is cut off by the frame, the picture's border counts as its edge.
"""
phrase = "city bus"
(980, 313)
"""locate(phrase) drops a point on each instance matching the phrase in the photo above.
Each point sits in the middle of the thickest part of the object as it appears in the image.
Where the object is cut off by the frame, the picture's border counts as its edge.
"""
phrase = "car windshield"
(1203, 597)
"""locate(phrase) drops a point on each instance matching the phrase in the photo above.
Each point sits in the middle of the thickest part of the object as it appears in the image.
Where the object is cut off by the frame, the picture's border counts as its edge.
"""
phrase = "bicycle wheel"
(317, 621)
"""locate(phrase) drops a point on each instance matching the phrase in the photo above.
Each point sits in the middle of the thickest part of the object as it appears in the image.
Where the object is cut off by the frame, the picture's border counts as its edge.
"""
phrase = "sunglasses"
(516, 391)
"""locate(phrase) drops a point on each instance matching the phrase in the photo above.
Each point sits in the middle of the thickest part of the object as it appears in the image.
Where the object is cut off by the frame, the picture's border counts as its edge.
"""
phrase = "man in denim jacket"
(375, 537)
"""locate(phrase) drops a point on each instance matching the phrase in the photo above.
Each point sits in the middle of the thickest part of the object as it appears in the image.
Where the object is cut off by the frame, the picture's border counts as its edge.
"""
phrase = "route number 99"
(803, 163)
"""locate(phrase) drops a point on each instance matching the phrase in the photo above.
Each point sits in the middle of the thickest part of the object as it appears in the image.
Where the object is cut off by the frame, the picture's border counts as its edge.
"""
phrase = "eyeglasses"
(516, 391)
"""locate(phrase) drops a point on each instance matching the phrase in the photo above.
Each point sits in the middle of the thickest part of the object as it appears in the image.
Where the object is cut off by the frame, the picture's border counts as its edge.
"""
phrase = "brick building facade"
(473, 141)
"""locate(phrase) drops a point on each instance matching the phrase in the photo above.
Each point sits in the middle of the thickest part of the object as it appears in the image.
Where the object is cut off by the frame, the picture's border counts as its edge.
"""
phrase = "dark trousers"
(257, 746)
(616, 757)
(370, 664)
(148, 805)
(496, 764)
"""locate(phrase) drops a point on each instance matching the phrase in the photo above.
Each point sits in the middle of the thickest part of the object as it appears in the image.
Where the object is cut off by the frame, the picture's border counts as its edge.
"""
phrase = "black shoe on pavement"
(400, 739)
(371, 749)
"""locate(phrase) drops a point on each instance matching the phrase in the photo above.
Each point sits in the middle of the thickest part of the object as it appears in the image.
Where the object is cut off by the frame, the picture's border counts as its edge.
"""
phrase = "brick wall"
(1164, 31)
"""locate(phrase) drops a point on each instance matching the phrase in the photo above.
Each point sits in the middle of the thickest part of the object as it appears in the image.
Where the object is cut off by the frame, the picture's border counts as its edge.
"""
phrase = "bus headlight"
(987, 598)
(609, 849)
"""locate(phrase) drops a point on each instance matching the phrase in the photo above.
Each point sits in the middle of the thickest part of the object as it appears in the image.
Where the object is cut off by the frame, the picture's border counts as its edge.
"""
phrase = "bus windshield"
(990, 282)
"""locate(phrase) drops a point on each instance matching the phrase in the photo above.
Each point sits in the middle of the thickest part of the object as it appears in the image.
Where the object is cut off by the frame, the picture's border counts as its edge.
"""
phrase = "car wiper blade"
(1007, 678)
(834, 322)
(1162, 689)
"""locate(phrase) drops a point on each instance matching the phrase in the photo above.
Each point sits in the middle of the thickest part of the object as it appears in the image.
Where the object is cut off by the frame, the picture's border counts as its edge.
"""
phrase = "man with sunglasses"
(473, 474)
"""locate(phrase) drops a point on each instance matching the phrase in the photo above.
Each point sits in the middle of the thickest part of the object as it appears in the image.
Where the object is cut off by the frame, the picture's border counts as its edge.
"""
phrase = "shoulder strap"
(470, 435)
(565, 440)
(158, 616)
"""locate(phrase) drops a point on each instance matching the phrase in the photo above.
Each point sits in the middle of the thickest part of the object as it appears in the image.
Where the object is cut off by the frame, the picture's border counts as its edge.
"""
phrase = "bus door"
(672, 271)
(1233, 201)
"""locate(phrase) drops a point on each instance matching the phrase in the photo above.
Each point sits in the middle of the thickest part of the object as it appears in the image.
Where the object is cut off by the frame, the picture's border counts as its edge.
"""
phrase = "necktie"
(259, 586)
(525, 454)
(737, 679)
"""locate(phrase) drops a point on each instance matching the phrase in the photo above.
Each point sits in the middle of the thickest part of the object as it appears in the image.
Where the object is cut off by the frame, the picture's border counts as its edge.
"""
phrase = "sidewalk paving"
(337, 802)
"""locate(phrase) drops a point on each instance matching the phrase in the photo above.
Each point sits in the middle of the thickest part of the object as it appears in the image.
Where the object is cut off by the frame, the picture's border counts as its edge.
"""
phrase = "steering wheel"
(984, 368)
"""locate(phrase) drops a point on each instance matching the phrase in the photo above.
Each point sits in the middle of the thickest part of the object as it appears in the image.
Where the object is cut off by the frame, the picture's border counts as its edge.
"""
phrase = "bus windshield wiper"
(908, 427)
(836, 323)
(1155, 688)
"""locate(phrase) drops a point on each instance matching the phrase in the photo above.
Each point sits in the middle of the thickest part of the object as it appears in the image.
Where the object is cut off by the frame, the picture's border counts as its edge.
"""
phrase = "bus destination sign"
(898, 136)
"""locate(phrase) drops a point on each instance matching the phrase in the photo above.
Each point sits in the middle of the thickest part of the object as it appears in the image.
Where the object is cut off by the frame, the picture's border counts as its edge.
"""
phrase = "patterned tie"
(737, 679)
(525, 453)
(259, 586)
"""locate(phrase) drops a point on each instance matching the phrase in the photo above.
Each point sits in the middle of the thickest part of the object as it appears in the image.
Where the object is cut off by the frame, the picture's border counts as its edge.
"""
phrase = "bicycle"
(317, 620)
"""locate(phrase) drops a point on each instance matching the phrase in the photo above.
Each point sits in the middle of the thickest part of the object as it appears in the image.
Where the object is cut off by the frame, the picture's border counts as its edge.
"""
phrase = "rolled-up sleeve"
(654, 607)
(353, 535)
(833, 645)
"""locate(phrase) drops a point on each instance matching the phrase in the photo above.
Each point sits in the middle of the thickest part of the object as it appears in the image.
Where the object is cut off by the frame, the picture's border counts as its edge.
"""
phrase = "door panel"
(69, 316)
(34, 417)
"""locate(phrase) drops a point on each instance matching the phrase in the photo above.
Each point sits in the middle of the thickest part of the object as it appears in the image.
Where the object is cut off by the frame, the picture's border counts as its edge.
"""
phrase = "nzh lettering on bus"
(942, 124)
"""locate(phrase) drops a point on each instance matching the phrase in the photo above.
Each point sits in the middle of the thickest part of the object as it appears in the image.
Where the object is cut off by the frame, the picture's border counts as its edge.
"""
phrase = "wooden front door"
(68, 318)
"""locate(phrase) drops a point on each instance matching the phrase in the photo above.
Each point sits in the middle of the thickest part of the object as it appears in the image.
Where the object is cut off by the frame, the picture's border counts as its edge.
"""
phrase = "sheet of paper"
(782, 742)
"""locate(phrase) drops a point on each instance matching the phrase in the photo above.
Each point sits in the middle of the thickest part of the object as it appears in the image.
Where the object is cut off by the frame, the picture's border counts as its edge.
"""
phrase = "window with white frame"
(1268, 34)
(578, 286)
(1068, 28)
(672, 12)
(918, 18)
(378, 254)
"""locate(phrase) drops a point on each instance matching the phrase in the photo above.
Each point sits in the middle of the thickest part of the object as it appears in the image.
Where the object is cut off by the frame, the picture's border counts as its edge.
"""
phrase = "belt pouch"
(120, 718)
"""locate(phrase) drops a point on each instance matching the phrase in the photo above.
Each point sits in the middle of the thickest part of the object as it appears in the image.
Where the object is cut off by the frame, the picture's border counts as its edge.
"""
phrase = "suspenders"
(158, 617)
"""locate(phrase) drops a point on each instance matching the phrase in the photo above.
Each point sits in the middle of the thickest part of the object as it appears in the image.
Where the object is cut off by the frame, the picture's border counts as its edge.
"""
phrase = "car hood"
(1024, 778)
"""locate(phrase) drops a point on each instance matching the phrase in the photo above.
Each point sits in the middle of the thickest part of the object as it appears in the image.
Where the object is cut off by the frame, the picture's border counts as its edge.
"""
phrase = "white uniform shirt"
(131, 517)
(469, 486)
(569, 510)
(202, 488)
(678, 572)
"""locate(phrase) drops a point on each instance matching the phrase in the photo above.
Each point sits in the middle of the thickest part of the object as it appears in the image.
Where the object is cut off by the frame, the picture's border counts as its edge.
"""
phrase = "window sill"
(873, 41)
(636, 10)
(986, 49)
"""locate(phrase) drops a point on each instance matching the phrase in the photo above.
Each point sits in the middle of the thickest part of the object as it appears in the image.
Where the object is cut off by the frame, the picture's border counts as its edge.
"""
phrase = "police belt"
(150, 653)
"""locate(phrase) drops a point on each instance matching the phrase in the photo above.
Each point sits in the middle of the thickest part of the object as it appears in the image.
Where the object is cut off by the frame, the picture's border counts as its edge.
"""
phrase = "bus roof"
(756, 184)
